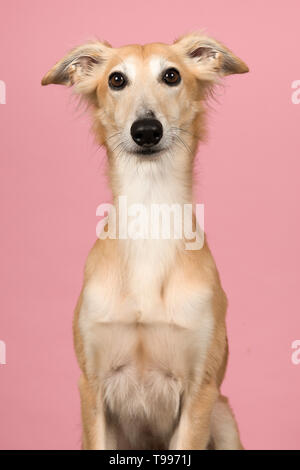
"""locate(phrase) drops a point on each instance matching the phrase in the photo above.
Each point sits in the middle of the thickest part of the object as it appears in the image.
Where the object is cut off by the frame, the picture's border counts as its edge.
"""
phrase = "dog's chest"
(151, 289)
(149, 305)
(144, 342)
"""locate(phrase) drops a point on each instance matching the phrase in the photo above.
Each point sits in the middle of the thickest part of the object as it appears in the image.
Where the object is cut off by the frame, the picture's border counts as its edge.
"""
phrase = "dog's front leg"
(193, 430)
(93, 419)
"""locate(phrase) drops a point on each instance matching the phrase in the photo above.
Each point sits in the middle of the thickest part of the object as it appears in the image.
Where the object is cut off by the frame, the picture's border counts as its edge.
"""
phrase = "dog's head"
(146, 99)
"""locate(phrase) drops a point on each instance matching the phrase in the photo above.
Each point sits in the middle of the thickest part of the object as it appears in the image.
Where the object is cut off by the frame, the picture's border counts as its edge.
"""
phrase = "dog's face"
(146, 99)
(144, 96)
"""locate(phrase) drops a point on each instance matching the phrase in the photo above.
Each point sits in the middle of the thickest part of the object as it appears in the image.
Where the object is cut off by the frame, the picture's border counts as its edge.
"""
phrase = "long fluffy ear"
(78, 65)
(208, 57)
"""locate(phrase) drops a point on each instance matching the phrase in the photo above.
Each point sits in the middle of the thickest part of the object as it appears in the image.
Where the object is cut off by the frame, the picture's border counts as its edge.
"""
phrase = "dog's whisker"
(114, 135)
(185, 144)
(117, 146)
(185, 131)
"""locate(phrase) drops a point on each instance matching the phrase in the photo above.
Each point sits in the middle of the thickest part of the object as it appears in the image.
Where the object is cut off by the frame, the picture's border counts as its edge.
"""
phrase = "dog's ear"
(208, 57)
(78, 65)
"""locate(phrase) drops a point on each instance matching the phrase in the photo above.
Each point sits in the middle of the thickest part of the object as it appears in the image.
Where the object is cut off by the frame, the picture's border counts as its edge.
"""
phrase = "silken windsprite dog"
(149, 326)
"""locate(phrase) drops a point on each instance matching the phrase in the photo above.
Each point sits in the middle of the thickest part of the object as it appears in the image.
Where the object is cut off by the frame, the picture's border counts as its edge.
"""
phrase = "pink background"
(52, 180)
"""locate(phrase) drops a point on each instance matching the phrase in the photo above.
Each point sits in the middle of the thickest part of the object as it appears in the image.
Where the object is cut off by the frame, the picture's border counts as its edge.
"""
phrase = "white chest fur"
(181, 310)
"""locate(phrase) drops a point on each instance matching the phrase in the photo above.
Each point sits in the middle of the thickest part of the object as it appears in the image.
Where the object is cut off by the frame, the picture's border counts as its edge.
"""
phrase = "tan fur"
(149, 326)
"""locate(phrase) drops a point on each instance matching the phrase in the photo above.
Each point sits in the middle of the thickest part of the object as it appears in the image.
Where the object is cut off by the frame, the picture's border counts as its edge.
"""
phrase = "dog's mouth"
(148, 153)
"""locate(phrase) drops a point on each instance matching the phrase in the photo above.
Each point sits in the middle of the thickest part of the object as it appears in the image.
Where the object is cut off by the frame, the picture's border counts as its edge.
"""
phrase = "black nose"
(146, 132)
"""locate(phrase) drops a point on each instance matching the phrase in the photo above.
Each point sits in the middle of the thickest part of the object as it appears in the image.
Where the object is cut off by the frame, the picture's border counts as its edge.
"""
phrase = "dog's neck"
(165, 179)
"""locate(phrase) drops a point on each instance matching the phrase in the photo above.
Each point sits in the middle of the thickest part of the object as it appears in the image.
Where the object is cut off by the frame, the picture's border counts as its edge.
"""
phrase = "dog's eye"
(117, 80)
(171, 77)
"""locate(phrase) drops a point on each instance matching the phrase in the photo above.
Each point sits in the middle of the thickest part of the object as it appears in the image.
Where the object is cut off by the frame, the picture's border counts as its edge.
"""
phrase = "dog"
(149, 325)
